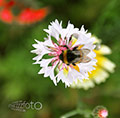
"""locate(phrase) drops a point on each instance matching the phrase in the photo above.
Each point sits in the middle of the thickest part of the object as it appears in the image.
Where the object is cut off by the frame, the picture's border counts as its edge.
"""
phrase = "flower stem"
(85, 113)
(71, 113)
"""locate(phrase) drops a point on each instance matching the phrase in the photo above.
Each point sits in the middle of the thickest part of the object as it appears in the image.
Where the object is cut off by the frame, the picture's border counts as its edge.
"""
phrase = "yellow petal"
(79, 47)
(96, 39)
(104, 50)
(105, 63)
(100, 76)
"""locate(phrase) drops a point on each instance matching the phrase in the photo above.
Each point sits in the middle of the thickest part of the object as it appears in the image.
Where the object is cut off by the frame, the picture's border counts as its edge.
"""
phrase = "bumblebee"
(77, 55)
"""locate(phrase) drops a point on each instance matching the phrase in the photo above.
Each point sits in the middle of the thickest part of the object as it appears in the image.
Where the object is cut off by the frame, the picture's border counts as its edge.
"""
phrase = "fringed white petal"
(63, 36)
(45, 62)
(108, 65)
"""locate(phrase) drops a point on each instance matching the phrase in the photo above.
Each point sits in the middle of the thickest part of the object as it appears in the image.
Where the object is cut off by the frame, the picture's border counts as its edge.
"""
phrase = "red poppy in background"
(6, 16)
(28, 15)
(1, 2)
(25, 16)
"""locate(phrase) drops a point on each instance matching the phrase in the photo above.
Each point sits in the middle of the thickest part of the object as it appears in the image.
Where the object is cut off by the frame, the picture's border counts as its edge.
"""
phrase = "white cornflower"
(100, 74)
(70, 51)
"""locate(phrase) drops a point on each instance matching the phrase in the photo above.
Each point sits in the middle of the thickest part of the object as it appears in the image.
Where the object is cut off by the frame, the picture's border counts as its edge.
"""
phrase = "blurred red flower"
(25, 16)
(6, 16)
(28, 15)
(2, 2)
(9, 4)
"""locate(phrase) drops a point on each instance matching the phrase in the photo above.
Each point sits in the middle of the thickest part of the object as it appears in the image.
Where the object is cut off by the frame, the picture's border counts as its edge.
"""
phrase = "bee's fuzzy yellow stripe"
(65, 56)
(76, 68)
(79, 47)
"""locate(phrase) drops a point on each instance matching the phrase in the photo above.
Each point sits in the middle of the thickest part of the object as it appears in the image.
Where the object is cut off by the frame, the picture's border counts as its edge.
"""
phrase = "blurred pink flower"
(100, 112)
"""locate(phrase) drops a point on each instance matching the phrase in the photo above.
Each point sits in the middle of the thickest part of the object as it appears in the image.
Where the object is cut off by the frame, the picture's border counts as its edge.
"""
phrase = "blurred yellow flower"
(100, 74)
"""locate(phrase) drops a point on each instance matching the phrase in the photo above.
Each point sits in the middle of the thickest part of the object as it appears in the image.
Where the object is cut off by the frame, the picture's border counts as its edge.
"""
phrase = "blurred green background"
(18, 76)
